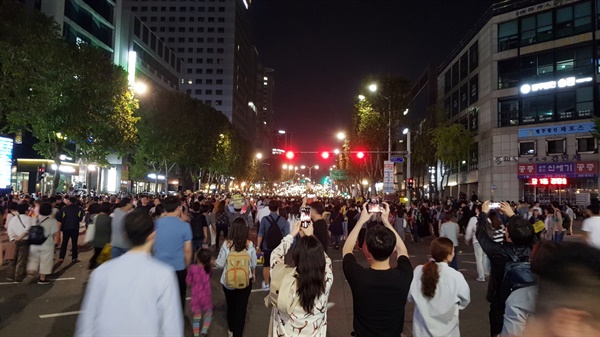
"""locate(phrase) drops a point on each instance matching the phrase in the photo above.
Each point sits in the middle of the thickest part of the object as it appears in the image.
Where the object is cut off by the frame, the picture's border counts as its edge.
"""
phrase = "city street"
(51, 310)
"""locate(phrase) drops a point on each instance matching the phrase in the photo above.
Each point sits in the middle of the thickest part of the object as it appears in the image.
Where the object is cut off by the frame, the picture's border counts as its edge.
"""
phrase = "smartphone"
(310, 198)
(494, 205)
(305, 217)
(374, 205)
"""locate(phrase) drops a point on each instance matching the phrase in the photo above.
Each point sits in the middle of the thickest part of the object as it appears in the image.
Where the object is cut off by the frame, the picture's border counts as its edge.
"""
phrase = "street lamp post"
(373, 88)
(316, 167)
(407, 132)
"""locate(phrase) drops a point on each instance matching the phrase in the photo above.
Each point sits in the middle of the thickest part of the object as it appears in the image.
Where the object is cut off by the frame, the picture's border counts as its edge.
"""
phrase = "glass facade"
(460, 84)
(554, 24)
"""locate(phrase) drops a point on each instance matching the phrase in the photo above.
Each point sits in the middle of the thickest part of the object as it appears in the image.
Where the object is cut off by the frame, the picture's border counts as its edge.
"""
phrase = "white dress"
(300, 323)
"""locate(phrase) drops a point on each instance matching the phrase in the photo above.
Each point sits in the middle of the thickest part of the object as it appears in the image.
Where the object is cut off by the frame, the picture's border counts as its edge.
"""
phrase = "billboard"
(6, 151)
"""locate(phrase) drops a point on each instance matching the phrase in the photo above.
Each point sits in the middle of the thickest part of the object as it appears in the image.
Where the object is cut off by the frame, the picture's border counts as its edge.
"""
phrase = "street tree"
(72, 98)
(452, 143)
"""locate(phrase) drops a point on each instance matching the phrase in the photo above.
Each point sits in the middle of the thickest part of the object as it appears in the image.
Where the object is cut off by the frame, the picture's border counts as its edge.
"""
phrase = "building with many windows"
(525, 82)
(213, 38)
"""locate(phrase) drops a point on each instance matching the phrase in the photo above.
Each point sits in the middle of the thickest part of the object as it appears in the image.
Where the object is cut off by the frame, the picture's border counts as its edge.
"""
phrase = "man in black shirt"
(319, 224)
(379, 292)
(68, 221)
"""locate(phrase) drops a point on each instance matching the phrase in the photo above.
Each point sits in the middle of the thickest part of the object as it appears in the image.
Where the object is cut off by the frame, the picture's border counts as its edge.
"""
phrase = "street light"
(407, 132)
(285, 166)
(373, 88)
(341, 136)
(140, 88)
(336, 151)
(282, 132)
(361, 97)
(316, 167)
(405, 112)
(259, 155)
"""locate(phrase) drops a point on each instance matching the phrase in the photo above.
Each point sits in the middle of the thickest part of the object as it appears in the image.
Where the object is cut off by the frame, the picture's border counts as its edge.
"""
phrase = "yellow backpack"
(237, 268)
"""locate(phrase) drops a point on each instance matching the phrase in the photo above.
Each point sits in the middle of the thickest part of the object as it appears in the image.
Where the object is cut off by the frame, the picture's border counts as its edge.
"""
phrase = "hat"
(237, 206)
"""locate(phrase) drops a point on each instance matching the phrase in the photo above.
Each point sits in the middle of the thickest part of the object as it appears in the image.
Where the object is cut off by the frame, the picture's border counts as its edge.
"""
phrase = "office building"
(524, 81)
(423, 99)
(213, 38)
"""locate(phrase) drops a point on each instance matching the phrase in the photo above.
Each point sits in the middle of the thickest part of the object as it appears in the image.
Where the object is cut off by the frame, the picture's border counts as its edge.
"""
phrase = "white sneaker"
(230, 334)
(265, 286)
(480, 279)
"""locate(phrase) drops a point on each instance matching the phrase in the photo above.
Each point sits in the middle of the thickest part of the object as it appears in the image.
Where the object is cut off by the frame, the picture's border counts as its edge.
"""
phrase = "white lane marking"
(62, 279)
(68, 313)
(259, 290)
(57, 279)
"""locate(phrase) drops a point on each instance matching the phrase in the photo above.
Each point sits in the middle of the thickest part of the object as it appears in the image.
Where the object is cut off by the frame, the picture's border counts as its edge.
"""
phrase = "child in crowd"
(198, 278)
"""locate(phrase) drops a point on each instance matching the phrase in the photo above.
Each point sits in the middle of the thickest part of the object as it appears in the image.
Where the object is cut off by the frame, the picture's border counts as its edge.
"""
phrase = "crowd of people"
(158, 247)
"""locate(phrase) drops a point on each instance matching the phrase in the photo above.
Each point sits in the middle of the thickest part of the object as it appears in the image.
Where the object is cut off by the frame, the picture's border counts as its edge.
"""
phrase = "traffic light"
(325, 155)
(409, 183)
(290, 155)
(360, 155)
(41, 173)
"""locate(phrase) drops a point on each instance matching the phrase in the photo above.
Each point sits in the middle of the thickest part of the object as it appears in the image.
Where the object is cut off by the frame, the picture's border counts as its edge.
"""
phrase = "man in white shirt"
(18, 229)
(262, 211)
(591, 226)
(134, 295)
(571, 215)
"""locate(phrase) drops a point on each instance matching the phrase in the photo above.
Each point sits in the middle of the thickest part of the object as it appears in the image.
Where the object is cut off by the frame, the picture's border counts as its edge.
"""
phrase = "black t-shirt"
(379, 297)
(321, 233)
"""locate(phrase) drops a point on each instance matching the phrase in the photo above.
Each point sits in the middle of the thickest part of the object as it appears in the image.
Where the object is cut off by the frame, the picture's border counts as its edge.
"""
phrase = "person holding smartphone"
(380, 291)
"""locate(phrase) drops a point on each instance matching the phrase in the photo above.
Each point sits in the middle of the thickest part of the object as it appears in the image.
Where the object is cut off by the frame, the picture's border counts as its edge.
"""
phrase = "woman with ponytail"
(438, 292)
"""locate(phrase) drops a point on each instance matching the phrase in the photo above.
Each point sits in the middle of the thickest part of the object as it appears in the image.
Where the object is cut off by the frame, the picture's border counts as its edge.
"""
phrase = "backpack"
(36, 234)
(566, 223)
(197, 223)
(237, 268)
(222, 219)
(274, 235)
(284, 289)
(517, 274)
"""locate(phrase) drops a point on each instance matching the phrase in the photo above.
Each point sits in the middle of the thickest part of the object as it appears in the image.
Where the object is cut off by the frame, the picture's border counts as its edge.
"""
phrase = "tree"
(596, 132)
(453, 143)
(371, 118)
(72, 98)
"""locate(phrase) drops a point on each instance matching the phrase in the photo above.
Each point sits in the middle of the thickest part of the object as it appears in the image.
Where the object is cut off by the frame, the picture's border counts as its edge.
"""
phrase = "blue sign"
(397, 159)
(559, 130)
(6, 152)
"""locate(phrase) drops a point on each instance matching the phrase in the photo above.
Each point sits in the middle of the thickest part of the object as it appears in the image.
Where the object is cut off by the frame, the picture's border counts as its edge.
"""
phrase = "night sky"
(321, 49)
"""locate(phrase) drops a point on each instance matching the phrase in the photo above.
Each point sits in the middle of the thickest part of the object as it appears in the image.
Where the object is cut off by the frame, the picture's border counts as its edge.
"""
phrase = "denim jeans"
(454, 262)
(558, 237)
(117, 251)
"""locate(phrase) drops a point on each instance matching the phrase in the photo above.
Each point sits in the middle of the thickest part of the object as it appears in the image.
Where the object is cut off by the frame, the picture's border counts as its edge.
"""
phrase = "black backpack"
(517, 274)
(197, 223)
(36, 234)
(274, 235)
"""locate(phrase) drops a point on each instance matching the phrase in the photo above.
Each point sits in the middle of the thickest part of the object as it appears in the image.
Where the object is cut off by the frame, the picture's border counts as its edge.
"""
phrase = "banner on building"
(552, 170)
(559, 130)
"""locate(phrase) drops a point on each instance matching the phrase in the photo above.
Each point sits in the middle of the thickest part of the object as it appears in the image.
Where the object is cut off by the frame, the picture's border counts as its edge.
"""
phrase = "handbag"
(90, 232)
(284, 289)
(105, 254)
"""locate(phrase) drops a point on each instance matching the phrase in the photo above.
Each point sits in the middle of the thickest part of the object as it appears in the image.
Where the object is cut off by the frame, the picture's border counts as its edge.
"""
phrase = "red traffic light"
(325, 155)
(360, 155)
(289, 155)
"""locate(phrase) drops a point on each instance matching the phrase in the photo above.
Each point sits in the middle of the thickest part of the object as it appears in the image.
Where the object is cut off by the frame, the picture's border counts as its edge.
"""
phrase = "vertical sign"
(388, 177)
(6, 149)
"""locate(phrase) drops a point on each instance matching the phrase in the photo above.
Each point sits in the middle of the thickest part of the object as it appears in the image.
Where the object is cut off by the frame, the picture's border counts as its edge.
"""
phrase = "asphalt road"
(51, 310)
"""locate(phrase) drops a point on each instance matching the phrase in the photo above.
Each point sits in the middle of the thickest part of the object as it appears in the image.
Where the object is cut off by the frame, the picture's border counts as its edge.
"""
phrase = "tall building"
(423, 98)
(213, 38)
(265, 121)
(131, 44)
(525, 81)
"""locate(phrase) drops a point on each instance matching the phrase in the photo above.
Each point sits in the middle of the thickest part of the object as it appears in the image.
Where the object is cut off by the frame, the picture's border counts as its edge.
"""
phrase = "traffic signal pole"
(408, 171)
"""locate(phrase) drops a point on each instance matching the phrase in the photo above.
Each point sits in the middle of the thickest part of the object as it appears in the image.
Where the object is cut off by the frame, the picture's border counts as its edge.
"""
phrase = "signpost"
(388, 177)
(396, 159)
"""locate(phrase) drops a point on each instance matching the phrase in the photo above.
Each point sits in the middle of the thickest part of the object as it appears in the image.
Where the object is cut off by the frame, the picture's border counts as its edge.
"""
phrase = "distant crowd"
(150, 250)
